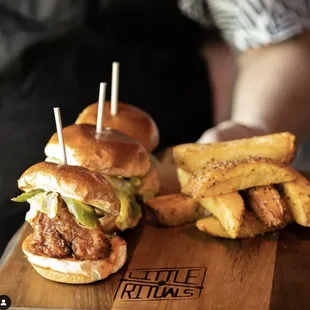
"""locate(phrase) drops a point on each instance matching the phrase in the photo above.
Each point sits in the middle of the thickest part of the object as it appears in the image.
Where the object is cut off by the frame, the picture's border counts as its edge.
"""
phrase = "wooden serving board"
(177, 268)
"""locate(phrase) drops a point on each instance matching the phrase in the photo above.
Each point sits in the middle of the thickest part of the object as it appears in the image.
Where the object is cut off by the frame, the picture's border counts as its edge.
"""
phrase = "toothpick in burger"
(138, 125)
(117, 157)
(68, 244)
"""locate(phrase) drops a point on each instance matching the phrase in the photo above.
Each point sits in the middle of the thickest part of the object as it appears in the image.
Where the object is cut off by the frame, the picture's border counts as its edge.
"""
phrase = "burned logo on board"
(161, 284)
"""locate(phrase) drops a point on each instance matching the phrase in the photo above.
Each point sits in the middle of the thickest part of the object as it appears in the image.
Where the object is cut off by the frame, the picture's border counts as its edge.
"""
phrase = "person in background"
(270, 43)
(55, 53)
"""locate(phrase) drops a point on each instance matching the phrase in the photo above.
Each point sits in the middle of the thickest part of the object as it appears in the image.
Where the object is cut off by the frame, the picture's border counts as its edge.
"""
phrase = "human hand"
(230, 130)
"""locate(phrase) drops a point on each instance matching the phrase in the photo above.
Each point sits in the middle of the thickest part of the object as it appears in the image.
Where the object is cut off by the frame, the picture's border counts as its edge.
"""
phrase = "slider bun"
(150, 183)
(73, 182)
(73, 271)
(129, 120)
(109, 153)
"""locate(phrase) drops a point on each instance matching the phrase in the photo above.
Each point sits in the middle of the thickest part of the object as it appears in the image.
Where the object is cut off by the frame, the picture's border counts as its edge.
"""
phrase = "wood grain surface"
(178, 268)
(240, 274)
(291, 282)
(27, 288)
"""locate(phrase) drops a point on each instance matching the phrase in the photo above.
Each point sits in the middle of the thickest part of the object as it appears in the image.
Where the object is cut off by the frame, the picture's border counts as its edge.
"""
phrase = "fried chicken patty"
(63, 237)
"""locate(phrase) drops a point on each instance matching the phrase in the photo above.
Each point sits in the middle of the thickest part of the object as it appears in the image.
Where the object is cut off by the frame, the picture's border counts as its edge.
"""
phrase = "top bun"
(73, 182)
(129, 120)
(109, 153)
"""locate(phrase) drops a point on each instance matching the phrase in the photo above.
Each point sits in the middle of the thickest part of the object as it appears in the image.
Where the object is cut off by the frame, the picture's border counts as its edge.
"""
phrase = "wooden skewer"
(59, 133)
(101, 101)
(114, 89)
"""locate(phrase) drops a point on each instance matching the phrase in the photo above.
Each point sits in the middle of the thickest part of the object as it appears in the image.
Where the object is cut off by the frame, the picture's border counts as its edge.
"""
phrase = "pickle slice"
(84, 214)
(130, 213)
(135, 182)
(27, 195)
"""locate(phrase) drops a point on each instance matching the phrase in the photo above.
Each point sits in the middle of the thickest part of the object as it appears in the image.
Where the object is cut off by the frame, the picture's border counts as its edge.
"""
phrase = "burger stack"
(76, 209)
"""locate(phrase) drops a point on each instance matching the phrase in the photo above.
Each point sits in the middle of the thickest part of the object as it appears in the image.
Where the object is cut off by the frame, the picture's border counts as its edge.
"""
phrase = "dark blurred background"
(55, 53)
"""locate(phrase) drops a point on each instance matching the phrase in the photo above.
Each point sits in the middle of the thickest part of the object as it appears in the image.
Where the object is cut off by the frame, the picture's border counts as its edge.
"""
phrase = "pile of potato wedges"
(237, 189)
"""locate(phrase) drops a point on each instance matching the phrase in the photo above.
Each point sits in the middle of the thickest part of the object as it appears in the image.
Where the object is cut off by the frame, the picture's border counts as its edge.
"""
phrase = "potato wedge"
(297, 197)
(173, 210)
(193, 157)
(227, 177)
(183, 177)
(251, 227)
(228, 209)
(267, 204)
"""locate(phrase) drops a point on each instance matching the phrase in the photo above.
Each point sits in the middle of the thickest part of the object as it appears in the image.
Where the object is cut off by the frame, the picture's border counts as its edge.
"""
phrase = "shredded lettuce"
(44, 202)
(121, 184)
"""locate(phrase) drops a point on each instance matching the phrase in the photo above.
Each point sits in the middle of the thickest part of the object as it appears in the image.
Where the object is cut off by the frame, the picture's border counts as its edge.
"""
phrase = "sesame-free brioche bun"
(129, 120)
(73, 182)
(109, 153)
(150, 183)
(69, 270)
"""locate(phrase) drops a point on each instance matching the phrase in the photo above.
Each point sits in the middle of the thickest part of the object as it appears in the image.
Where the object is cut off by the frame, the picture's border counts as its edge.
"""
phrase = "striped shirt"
(251, 23)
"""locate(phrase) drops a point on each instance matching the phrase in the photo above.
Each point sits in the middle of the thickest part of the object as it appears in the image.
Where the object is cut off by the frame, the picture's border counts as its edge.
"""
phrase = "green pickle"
(27, 195)
(135, 209)
(130, 213)
(84, 214)
(135, 181)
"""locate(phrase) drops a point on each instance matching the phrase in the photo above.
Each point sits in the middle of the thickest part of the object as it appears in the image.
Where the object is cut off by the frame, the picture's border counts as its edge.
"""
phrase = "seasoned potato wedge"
(297, 197)
(266, 203)
(227, 177)
(173, 210)
(251, 226)
(183, 177)
(228, 209)
(193, 157)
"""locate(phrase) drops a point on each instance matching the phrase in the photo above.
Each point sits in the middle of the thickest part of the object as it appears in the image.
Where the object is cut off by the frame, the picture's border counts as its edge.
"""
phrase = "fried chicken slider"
(129, 120)
(119, 158)
(68, 244)
(138, 125)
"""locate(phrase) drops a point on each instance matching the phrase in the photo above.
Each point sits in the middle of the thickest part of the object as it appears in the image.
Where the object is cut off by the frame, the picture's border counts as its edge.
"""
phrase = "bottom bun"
(68, 270)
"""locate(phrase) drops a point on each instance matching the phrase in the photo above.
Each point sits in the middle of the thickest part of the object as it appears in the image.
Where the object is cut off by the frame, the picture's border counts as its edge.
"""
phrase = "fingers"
(230, 130)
